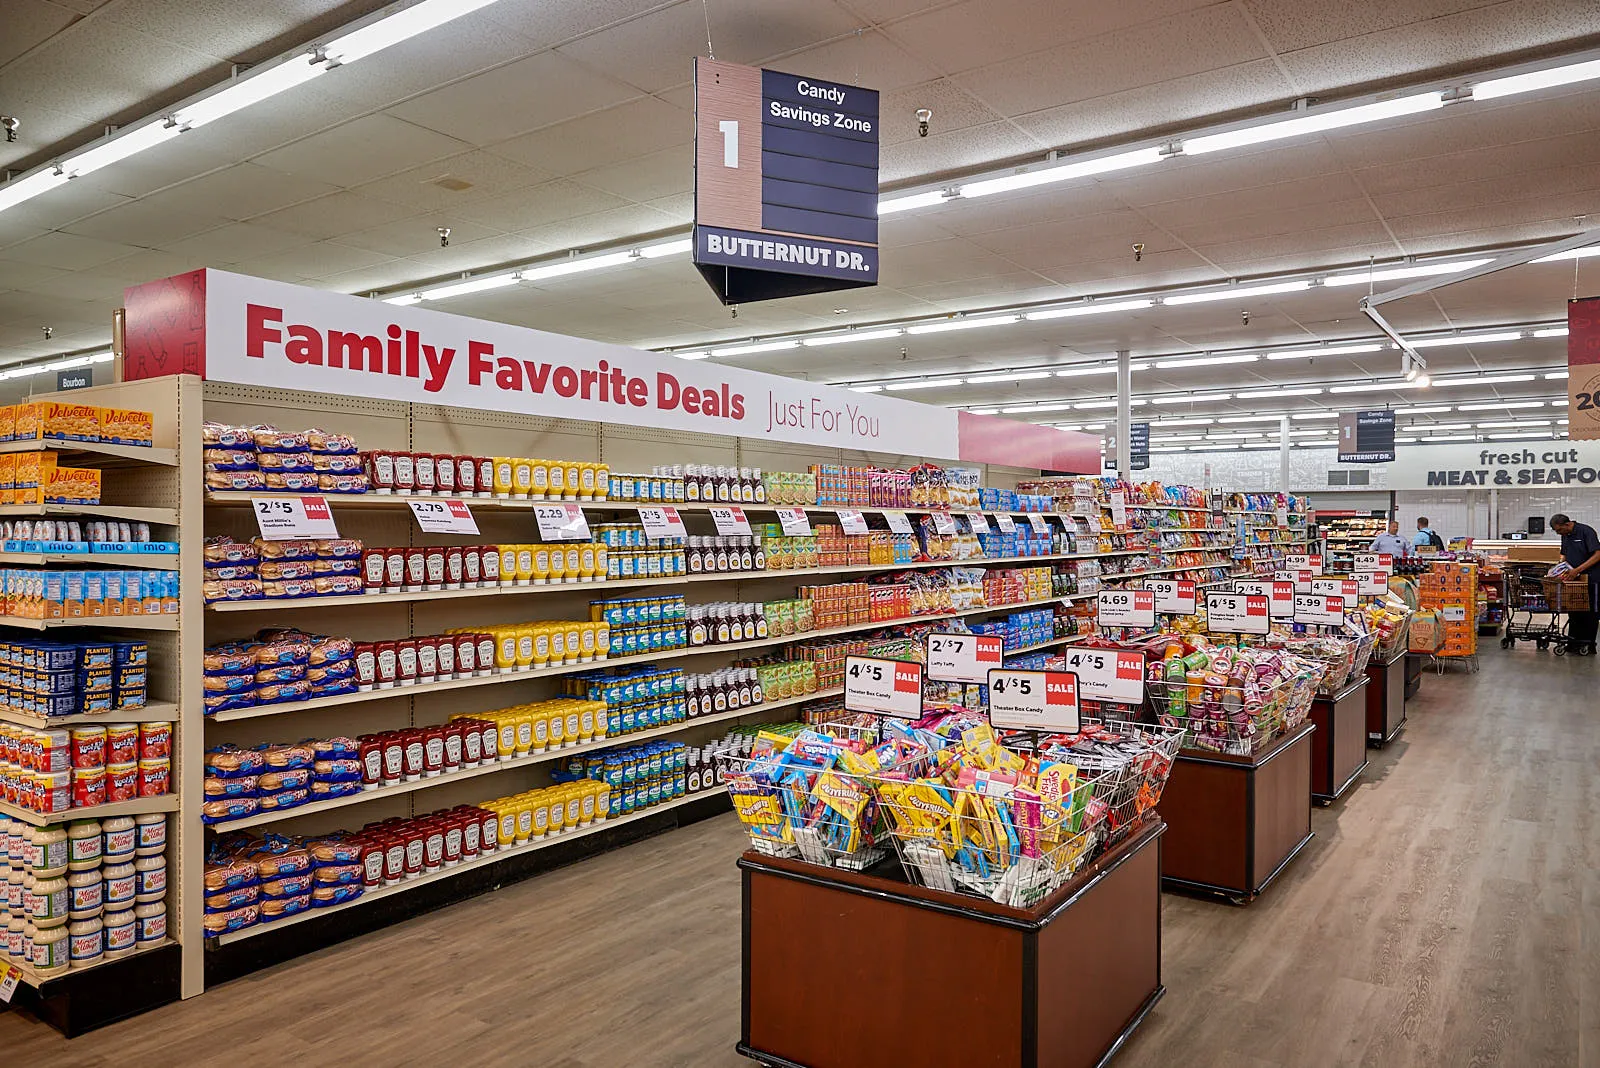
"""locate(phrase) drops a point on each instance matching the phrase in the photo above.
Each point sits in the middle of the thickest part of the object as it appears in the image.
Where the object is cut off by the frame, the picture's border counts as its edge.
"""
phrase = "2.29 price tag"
(1033, 700)
(1108, 674)
(443, 517)
(730, 522)
(964, 657)
(1125, 608)
(561, 522)
(883, 687)
(794, 522)
(1237, 613)
(293, 518)
(1372, 583)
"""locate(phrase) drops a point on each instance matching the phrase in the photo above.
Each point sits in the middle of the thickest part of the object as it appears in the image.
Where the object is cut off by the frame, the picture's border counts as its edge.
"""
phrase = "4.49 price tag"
(1126, 608)
(1033, 700)
(1108, 674)
(293, 518)
(1173, 596)
(1373, 562)
(884, 687)
(964, 657)
(561, 522)
(443, 517)
(730, 521)
(1237, 613)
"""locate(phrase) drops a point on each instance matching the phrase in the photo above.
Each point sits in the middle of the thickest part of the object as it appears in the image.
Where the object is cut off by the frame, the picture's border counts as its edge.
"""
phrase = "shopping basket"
(1136, 759)
(1227, 717)
(1342, 657)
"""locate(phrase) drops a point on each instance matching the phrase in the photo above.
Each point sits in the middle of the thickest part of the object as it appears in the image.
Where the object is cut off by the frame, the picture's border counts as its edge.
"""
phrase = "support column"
(1124, 413)
(1283, 454)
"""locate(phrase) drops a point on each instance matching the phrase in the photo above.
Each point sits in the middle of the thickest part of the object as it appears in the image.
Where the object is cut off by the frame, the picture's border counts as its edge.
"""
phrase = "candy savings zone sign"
(1491, 464)
(232, 328)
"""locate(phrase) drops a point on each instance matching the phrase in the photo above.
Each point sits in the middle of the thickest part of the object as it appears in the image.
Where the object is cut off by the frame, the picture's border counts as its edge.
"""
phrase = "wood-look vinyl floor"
(1447, 913)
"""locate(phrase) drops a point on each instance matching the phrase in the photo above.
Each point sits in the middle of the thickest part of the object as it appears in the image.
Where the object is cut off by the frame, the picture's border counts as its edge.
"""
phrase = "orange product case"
(27, 424)
(127, 426)
(8, 422)
(94, 593)
(76, 422)
(75, 592)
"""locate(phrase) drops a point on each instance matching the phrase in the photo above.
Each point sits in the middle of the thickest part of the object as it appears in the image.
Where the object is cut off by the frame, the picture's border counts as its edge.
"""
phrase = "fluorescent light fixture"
(1308, 432)
(1556, 376)
(761, 346)
(1258, 445)
(251, 88)
(1094, 426)
(1180, 422)
(1441, 426)
(575, 266)
(1571, 254)
(1315, 415)
(1061, 172)
(1238, 292)
(1514, 424)
(699, 354)
(1068, 426)
(1332, 119)
(400, 26)
(667, 248)
(1394, 274)
(66, 365)
(1405, 441)
(1169, 448)
(1495, 88)
(404, 300)
(1560, 402)
(1467, 339)
(866, 389)
(1098, 369)
(1554, 331)
(962, 324)
(1249, 418)
(1026, 408)
(1332, 350)
(472, 285)
(1009, 376)
(1179, 437)
(1537, 435)
(1206, 361)
(1483, 380)
(1375, 387)
(1088, 309)
(1267, 394)
(17, 190)
(102, 357)
(1490, 406)
(935, 383)
(1192, 398)
(890, 205)
(120, 147)
(983, 411)
(1430, 410)
(842, 339)
(1094, 404)
(1452, 437)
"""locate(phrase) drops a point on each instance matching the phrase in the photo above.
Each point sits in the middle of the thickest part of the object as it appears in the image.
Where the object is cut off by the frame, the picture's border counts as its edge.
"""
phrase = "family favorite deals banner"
(250, 331)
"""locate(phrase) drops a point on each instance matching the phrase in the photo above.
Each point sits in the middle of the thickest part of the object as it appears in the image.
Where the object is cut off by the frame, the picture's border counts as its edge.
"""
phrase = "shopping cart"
(1531, 615)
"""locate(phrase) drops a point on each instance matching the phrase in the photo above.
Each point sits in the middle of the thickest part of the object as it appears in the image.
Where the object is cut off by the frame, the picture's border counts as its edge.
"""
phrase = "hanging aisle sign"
(1366, 437)
(1583, 369)
(786, 183)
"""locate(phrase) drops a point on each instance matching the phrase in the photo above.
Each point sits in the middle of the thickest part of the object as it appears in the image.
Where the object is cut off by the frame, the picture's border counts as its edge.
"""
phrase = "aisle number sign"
(293, 518)
(1373, 562)
(1108, 674)
(1319, 609)
(566, 522)
(883, 687)
(1237, 613)
(1125, 608)
(897, 522)
(730, 521)
(1174, 597)
(964, 657)
(1348, 588)
(1303, 562)
(1004, 521)
(443, 517)
(1033, 700)
(852, 521)
(794, 522)
(662, 522)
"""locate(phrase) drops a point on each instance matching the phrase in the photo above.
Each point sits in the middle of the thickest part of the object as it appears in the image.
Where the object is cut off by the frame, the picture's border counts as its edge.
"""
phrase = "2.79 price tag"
(443, 517)
(293, 518)
(964, 657)
(1033, 700)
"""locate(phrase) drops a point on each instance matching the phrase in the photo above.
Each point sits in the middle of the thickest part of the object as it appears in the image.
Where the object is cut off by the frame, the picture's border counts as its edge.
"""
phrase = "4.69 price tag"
(443, 517)
(1033, 700)
(964, 657)
(1126, 608)
(292, 518)
(884, 687)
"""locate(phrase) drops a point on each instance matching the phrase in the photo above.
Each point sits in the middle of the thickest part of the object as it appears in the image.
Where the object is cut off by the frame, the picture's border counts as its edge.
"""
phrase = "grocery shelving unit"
(1347, 535)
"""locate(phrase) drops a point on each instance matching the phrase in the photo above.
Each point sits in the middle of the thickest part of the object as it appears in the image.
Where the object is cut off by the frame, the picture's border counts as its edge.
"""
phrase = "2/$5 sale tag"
(294, 518)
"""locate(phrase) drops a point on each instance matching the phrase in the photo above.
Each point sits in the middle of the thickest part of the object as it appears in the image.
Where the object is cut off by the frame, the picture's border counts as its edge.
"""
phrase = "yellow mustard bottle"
(540, 489)
(574, 568)
(574, 471)
(558, 481)
(502, 476)
(521, 477)
(586, 482)
(541, 645)
(541, 565)
(508, 565)
(524, 565)
(574, 650)
(586, 556)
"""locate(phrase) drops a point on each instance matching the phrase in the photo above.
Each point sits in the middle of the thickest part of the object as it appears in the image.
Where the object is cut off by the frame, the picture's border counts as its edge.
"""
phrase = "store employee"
(1580, 547)
(1391, 542)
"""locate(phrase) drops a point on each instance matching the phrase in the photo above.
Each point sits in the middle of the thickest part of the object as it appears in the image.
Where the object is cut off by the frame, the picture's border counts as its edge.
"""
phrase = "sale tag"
(943, 523)
(730, 520)
(964, 657)
(1372, 583)
(443, 517)
(1282, 595)
(1033, 700)
(1259, 587)
(1039, 523)
(1173, 597)
(852, 521)
(663, 522)
(561, 522)
(1237, 613)
(978, 522)
(1319, 609)
(1119, 509)
(1373, 562)
(1108, 674)
(1303, 562)
(291, 518)
(897, 522)
(1126, 608)
(1004, 521)
(8, 981)
(1343, 587)
(884, 687)
(794, 522)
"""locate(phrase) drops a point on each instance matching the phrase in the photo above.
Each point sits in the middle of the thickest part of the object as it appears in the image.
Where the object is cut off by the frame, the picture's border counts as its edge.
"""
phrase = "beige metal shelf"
(152, 561)
(155, 712)
(138, 806)
(165, 621)
(35, 980)
(133, 514)
(95, 449)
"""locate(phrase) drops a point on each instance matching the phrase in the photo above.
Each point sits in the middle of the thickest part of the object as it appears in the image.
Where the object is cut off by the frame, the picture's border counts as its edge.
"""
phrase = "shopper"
(1391, 542)
(1580, 547)
(1426, 537)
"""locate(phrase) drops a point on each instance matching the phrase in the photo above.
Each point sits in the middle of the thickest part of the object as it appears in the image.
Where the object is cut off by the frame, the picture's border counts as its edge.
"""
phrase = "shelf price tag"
(883, 687)
(1119, 509)
(1373, 562)
(1348, 588)
(943, 523)
(1237, 613)
(1108, 674)
(852, 521)
(730, 521)
(1173, 597)
(662, 522)
(9, 977)
(897, 522)
(292, 518)
(1373, 583)
(1303, 562)
(1282, 516)
(1033, 700)
(1125, 608)
(1039, 523)
(562, 522)
(794, 522)
(443, 517)
(1004, 521)
(978, 522)
(964, 657)
(1455, 613)
(1259, 587)
(1319, 609)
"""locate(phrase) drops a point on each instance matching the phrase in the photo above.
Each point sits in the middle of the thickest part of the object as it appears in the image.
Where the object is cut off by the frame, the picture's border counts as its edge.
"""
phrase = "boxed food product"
(75, 422)
(127, 426)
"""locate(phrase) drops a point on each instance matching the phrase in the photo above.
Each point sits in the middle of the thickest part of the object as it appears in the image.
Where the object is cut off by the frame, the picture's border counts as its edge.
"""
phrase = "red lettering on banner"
(256, 332)
(638, 392)
(394, 349)
(355, 351)
(566, 382)
(477, 361)
(667, 391)
(305, 345)
(509, 375)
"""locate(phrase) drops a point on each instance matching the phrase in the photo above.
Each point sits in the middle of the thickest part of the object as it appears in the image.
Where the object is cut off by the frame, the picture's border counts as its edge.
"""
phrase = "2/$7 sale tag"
(292, 518)
(883, 687)
(1108, 674)
(964, 657)
(561, 522)
(443, 517)
(1033, 700)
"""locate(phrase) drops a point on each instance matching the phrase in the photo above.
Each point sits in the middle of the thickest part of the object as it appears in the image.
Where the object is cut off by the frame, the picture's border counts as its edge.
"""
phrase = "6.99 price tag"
(442, 516)
(1173, 596)
(883, 687)
(293, 518)
(1126, 608)
(1033, 700)
(964, 657)
(561, 522)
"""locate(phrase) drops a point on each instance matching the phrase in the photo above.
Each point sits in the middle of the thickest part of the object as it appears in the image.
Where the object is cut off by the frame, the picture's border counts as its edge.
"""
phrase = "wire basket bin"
(1341, 657)
(1130, 763)
(1233, 715)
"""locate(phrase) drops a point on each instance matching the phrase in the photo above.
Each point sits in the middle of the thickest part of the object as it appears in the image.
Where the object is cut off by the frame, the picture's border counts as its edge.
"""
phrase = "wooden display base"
(1339, 748)
(1414, 663)
(81, 1001)
(845, 970)
(1386, 701)
(1235, 822)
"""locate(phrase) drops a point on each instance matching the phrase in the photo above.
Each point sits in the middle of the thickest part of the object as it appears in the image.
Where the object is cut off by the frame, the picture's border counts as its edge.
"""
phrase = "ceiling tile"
(936, 154)
(235, 242)
(147, 223)
(542, 204)
(416, 234)
(869, 58)
(221, 29)
(29, 23)
(615, 135)
(333, 215)
(15, 275)
(361, 150)
(324, 257)
(474, 255)
(240, 192)
(603, 227)
(646, 177)
(68, 252)
(487, 175)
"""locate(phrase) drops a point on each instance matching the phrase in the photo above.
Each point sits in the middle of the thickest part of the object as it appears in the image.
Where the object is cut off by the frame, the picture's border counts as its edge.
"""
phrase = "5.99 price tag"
(1126, 608)
(730, 521)
(1033, 700)
(963, 657)
(293, 518)
(1108, 674)
(1319, 609)
(442, 516)
(883, 687)
(561, 522)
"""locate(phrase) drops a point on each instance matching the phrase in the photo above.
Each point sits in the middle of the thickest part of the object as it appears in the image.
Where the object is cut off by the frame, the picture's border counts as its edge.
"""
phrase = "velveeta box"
(127, 426)
(8, 422)
(75, 422)
(27, 424)
(31, 467)
(8, 478)
(70, 485)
